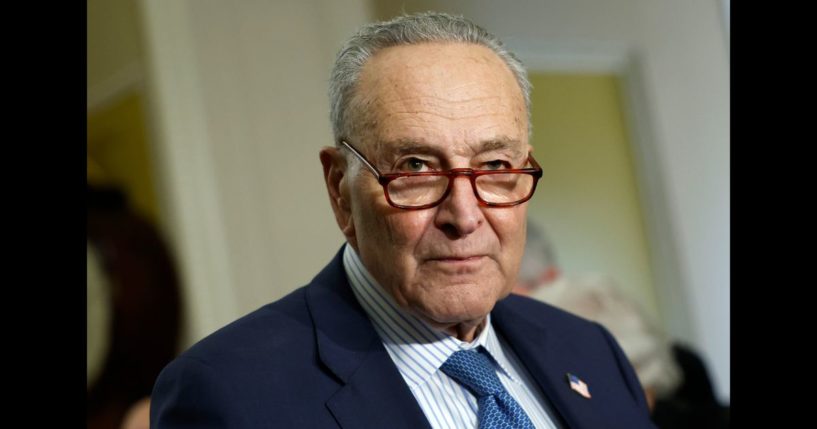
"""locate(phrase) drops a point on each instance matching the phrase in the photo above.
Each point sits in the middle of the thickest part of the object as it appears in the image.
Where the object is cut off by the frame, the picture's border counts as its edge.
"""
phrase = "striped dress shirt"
(418, 351)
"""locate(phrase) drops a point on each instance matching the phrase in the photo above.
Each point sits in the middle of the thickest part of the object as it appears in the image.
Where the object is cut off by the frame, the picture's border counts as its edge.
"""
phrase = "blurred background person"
(133, 316)
(675, 380)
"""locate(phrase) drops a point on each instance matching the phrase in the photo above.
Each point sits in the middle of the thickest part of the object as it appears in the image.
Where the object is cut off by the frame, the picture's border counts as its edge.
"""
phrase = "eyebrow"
(405, 146)
(501, 143)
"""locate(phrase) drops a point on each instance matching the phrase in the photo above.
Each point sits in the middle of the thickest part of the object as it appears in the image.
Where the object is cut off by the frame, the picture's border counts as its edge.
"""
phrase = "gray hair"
(406, 30)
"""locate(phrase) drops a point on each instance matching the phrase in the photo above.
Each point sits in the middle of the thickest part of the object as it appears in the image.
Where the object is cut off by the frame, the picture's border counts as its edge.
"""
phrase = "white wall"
(238, 91)
(686, 73)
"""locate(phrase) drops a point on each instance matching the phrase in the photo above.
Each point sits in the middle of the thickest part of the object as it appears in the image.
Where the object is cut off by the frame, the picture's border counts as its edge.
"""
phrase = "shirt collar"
(417, 349)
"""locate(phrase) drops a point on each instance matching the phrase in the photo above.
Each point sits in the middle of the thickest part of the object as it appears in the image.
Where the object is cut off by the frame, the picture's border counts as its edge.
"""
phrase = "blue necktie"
(496, 407)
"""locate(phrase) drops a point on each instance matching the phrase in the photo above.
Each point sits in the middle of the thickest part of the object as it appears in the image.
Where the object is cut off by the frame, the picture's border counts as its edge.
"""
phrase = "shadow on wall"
(133, 311)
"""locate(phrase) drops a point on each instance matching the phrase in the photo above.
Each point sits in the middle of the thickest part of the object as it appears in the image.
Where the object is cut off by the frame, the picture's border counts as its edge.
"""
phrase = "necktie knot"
(475, 371)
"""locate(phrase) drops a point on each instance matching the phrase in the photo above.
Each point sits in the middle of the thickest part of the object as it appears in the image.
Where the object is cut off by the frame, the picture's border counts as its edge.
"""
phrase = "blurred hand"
(138, 416)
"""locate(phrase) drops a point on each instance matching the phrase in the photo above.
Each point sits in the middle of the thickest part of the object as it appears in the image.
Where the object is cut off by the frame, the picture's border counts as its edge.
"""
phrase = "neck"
(466, 331)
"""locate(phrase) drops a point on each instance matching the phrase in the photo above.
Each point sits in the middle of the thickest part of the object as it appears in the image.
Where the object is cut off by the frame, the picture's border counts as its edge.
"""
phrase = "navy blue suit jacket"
(313, 360)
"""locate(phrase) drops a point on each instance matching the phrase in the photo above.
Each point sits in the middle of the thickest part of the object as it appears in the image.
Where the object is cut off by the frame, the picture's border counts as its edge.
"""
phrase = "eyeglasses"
(426, 189)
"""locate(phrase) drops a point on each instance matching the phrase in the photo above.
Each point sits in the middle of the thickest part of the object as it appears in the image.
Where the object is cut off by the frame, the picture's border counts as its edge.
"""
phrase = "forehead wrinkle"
(446, 101)
(421, 114)
(402, 146)
(444, 107)
(498, 143)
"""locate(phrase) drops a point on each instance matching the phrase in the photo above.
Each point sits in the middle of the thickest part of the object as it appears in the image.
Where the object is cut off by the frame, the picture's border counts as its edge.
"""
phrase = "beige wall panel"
(587, 200)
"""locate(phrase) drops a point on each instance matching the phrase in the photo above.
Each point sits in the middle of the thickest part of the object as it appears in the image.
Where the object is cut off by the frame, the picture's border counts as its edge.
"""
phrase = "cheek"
(365, 197)
(407, 228)
(385, 229)
(509, 226)
(509, 223)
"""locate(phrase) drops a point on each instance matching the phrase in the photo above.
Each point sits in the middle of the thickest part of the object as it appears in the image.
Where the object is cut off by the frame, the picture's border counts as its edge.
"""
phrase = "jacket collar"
(374, 393)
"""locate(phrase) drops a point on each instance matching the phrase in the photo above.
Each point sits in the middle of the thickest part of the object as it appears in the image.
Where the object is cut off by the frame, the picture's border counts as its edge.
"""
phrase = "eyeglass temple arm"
(362, 158)
(533, 161)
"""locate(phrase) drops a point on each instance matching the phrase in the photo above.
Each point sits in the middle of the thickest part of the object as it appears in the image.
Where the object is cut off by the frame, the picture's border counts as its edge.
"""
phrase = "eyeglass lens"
(501, 188)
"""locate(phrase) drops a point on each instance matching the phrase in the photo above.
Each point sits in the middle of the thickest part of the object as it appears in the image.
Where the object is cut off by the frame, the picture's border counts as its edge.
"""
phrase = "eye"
(414, 165)
(496, 164)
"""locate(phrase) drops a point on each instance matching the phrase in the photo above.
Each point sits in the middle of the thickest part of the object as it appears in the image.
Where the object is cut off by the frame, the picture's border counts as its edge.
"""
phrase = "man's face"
(437, 106)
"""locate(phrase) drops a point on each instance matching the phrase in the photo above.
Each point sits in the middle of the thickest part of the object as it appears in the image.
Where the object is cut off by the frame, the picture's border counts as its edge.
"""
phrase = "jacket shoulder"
(282, 326)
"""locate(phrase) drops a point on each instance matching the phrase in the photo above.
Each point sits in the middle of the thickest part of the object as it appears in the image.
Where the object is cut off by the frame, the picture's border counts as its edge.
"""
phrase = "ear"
(337, 184)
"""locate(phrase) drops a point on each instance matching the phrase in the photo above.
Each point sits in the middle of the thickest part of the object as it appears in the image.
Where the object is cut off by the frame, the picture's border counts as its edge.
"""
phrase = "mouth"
(458, 261)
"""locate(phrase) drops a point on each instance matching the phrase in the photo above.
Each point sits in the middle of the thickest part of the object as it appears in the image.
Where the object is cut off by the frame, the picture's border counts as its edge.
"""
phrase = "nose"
(460, 213)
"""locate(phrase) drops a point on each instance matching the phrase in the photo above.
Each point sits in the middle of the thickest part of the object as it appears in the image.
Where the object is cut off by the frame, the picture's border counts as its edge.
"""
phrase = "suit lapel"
(374, 393)
(548, 360)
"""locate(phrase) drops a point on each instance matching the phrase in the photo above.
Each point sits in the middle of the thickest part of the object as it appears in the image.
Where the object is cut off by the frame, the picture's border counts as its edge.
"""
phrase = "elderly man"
(410, 325)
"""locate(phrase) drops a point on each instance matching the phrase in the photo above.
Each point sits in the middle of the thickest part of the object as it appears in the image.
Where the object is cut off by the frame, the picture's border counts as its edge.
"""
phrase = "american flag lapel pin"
(578, 386)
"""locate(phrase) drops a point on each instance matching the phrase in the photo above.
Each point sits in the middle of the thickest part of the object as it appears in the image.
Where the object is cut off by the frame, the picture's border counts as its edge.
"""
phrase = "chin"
(459, 308)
